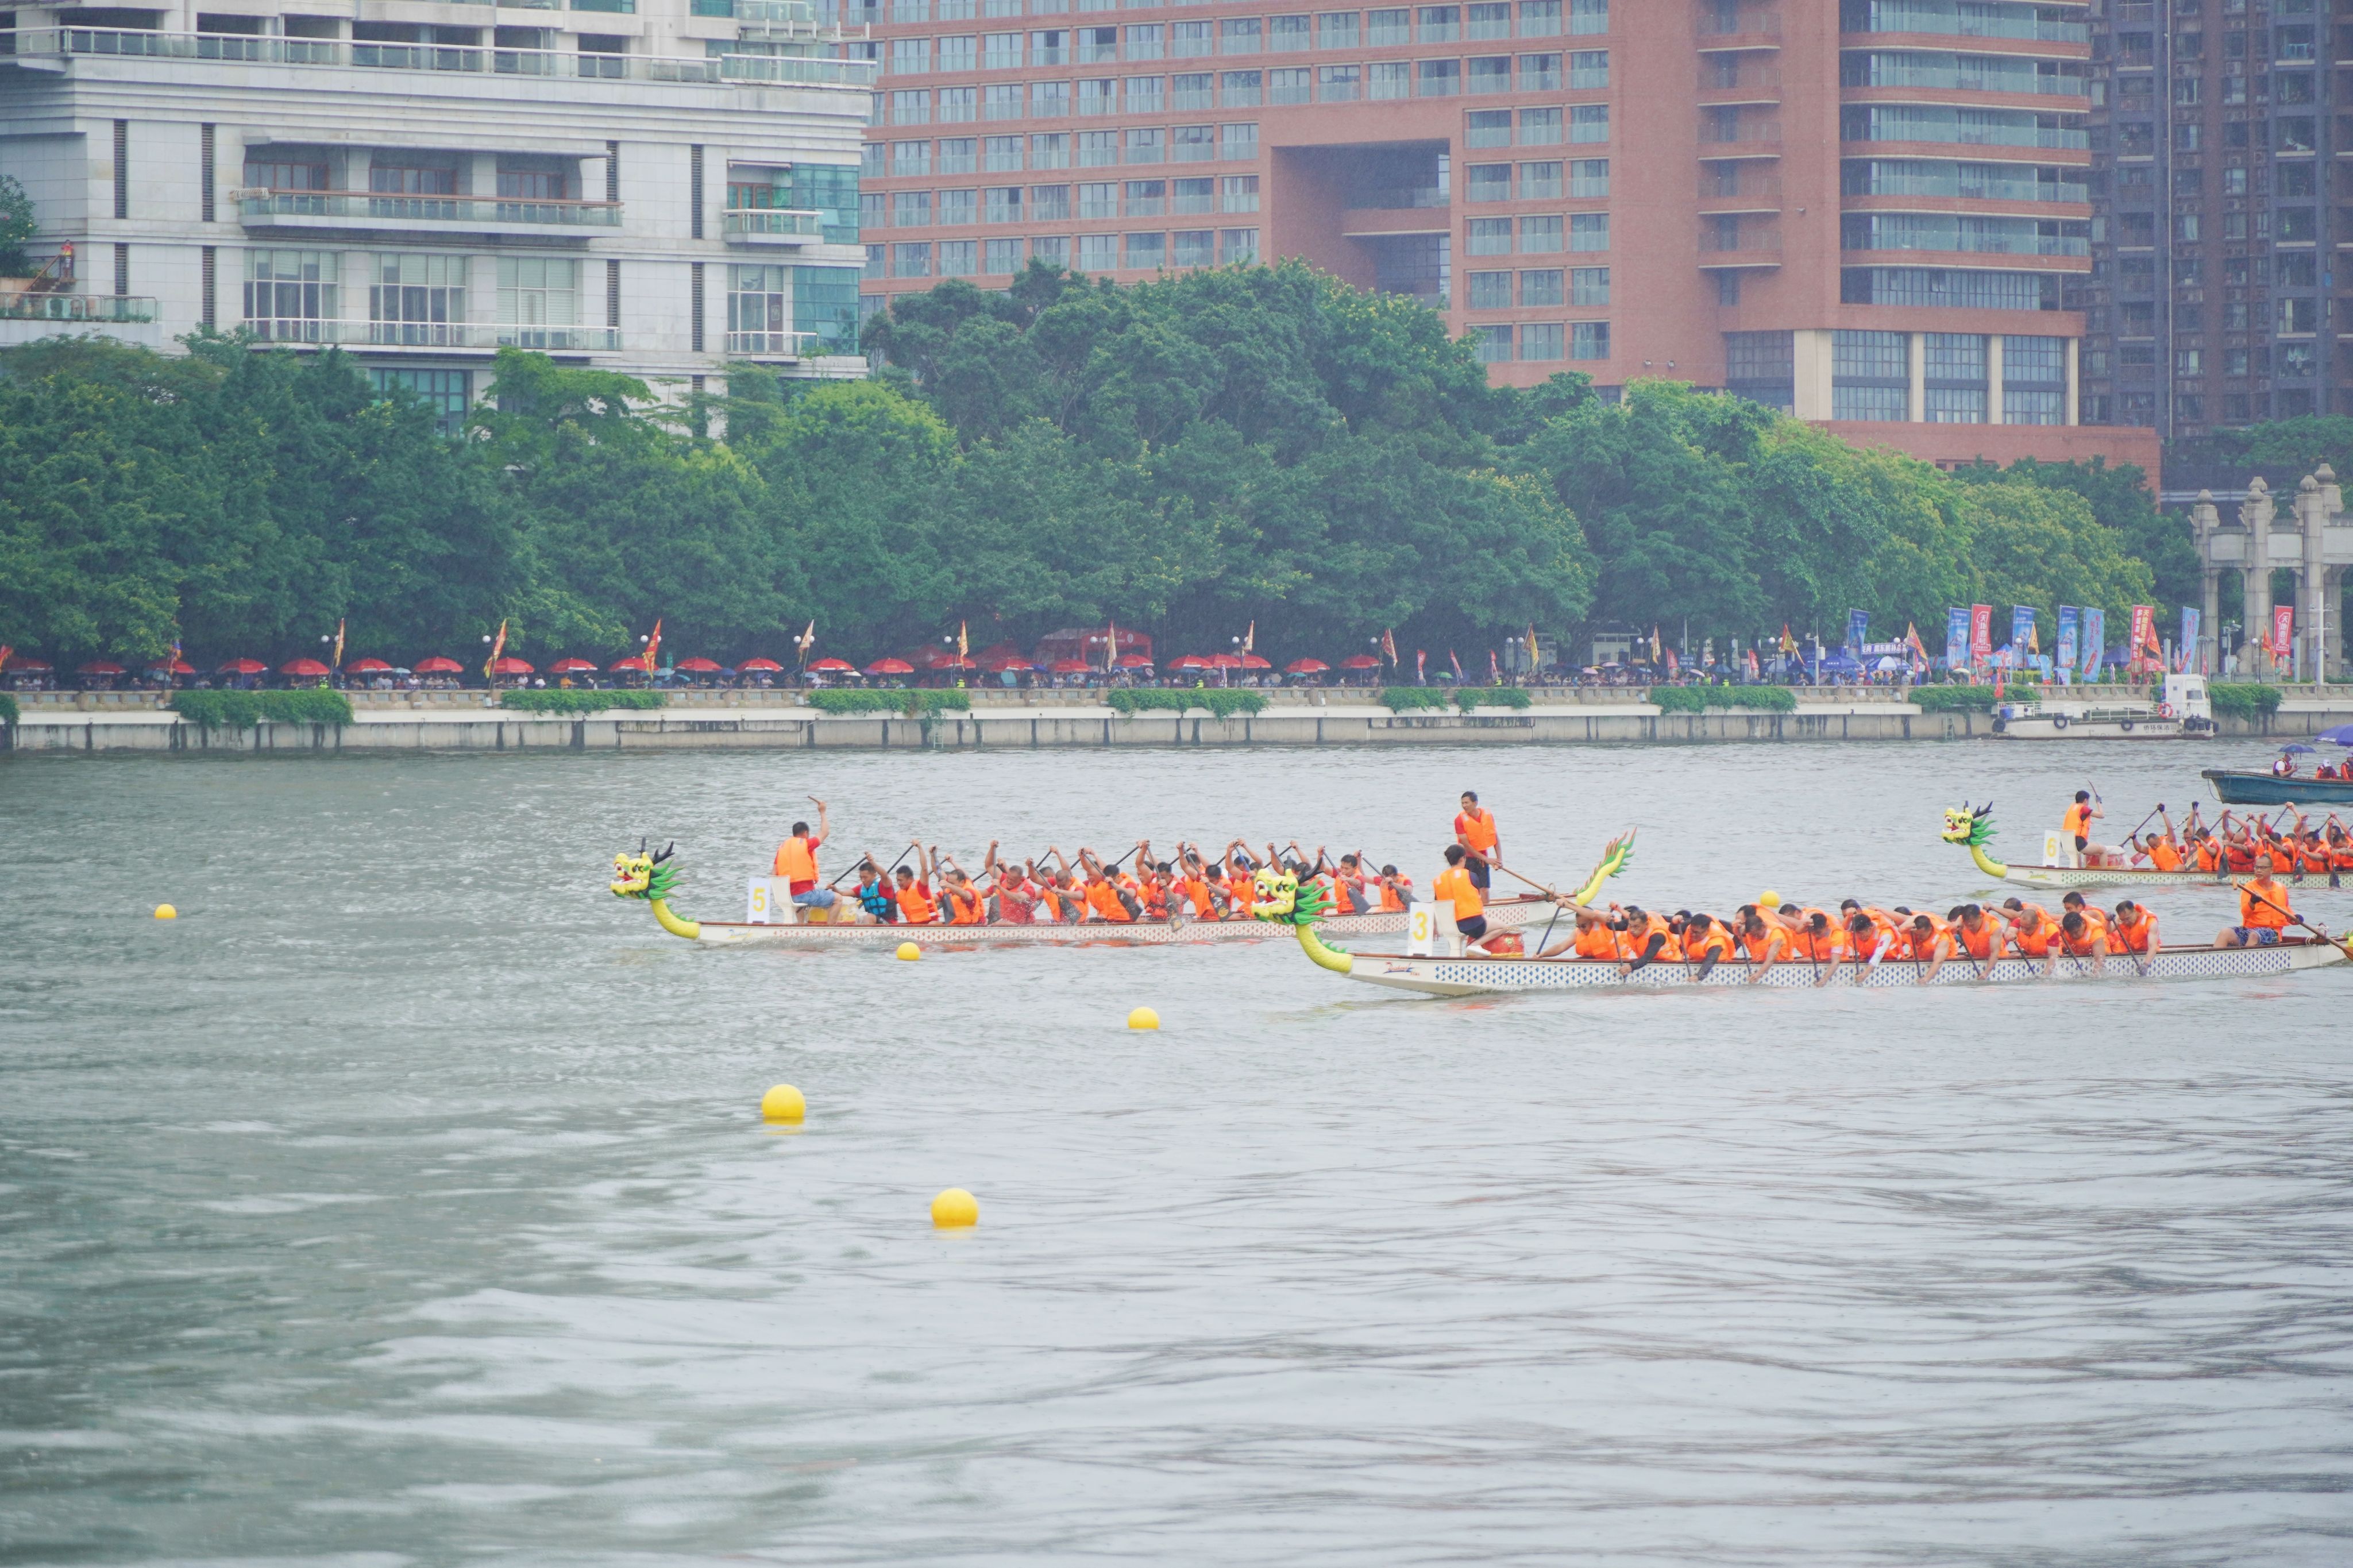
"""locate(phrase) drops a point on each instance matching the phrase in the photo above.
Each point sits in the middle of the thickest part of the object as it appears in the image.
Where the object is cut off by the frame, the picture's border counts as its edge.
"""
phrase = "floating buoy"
(783, 1103)
(1768, 899)
(1144, 1018)
(955, 1209)
(909, 953)
(167, 912)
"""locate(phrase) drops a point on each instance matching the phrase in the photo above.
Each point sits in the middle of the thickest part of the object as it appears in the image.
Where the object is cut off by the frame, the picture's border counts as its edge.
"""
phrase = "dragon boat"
(653, 878)
(1464, 974)
(1972, 829)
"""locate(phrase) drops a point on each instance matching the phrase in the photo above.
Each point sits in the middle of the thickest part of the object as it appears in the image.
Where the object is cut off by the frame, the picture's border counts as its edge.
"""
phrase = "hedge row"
(8, 713)
(913, 704)
(2243, 699)
(1953, 698)
(559, 700)
(244, 709)
(1700, 698)
(1216, 700)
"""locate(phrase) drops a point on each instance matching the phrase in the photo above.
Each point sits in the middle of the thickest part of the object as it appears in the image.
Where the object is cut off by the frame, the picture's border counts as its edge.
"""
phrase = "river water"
(405, 1201)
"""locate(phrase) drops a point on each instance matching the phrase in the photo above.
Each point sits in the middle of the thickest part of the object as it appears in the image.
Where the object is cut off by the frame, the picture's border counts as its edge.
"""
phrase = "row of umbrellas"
(310, 668)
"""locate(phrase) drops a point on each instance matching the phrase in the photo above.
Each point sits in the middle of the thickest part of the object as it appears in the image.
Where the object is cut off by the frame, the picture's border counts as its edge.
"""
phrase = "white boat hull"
(1502, 914)
(1477, 976)
(2118, 877)
(2057, 728)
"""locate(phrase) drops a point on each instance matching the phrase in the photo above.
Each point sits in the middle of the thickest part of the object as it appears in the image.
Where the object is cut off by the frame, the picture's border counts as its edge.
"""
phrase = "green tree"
(17, 227)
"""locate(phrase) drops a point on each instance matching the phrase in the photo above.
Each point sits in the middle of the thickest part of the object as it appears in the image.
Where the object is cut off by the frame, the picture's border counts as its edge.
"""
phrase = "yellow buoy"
(1144, 1018)
(783, 1103)
(955, 1209)
(167, 912)
(909, 951)
(1768, 899)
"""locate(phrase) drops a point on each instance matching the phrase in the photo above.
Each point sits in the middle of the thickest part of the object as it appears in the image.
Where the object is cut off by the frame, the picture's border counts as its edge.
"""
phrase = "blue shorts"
(2256, 936)
(817, 898)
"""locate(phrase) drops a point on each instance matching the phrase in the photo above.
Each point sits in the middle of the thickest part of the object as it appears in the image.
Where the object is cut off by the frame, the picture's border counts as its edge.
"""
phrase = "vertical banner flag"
(1249, 638)
(2191, 661)
(1535, 662)
(1111, 646)
(2282, 631)
(1388, 647)
(2095, 638)
(1494, 671)
(1956, 635)
(1980, 631)
(1456, 660)
(2145, 647)
(2021, 629)
(1858, 631)
(1752, 662)
(337, 662)
(1919, 650)
(1420, 666)
(2069, 635)
(653, 645)
(497, 648)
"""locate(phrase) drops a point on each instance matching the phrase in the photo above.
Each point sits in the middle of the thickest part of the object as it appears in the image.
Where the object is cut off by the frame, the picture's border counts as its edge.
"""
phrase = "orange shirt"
(797, 862)
(2077, 823)
(1919, 944)
(1455, 883)
(1391, 904)
(1596, 941)
(2255, 912)
(1103, 899)
(1715, 940)
(1476, 829)
(965, 906)
(2163, 854)
(1982, 944)
(915, 906)
(1758, 947)
(2037, 942)
(2134, 936)
(1196, 892)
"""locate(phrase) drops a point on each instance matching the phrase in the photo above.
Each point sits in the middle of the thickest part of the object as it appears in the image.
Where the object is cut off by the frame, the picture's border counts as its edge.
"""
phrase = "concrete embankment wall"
(459, 723)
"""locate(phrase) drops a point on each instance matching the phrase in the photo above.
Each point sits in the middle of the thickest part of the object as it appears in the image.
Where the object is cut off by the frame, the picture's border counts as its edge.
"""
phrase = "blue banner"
(2021, 629)
(2185, 653)
(1956, 635)
(2095, 640)
(1858, 631)
(2068, 618)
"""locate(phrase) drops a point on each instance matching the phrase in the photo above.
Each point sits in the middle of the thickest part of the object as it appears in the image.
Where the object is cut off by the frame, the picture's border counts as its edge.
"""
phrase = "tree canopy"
(1187, 456)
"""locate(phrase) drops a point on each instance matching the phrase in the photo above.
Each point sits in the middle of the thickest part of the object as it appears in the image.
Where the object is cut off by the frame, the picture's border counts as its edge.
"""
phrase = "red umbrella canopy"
(1133, 661)
(176, 665)
(1009, 661)
(1252, 661)
(1305, 667)
(699, 665)
(1225, 661)
(510, 664)
(368, 666)
(26, 661)
(890, 666)
(771, 666)
(250, 667)
(437, 664)
(951, 662)
(573, 667)
(303, 667)
(1069, 667)
(1189, 661)
(100, 667)
(1360, 662)
(636, 661)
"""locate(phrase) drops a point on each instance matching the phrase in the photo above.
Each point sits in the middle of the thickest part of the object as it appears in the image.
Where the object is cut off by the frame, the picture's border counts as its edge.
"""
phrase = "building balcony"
(70, 309)
(52, 49)
(771, 226)
(1745, 245)
(772, 345)
(1736, 78)
(1736, 26)
(436, 336)
(276, 209)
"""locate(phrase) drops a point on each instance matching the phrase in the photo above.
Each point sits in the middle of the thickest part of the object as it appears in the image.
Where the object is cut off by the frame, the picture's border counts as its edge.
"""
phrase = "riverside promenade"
(465, 722)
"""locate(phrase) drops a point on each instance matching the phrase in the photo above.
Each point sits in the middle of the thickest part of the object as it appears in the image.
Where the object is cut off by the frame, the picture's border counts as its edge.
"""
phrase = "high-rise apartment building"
(661, 187)
(2210, 300)
(1868, 212)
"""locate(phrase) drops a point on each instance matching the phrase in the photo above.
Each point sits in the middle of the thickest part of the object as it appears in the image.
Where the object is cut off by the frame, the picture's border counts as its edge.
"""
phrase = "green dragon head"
(1971, 829)
(1279, 896)
(644, 876)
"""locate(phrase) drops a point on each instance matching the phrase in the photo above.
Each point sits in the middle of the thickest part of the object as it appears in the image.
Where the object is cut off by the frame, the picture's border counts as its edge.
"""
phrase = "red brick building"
(1867, 212)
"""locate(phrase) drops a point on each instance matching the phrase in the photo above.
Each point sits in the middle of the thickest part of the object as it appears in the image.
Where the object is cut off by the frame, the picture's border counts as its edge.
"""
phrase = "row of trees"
(1253, 444)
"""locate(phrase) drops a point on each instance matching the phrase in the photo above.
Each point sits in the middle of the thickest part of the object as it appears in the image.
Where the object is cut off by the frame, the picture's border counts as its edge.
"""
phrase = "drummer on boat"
(796, 862)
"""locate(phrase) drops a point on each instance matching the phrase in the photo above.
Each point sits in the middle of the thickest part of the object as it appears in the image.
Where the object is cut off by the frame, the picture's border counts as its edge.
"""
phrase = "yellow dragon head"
(1274, 892)
(644, 876)
(1970, 829)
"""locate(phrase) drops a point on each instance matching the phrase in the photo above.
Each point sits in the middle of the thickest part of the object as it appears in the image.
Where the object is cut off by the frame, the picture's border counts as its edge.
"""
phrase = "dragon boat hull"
(1504, 913)
(1485, 976)
(2108, 877)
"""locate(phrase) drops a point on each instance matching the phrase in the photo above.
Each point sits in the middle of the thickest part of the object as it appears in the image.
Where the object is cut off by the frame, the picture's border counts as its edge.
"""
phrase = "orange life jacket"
(1926, 944)
(2037, 942)
(2134, 936)
(2255, 912)
(1715, 940)
(2163, 854)
(965, 906)
(915, 906)
(1455, 883)
(1103, 899)
(1476, 829)
(1596, 941)
(797, 862)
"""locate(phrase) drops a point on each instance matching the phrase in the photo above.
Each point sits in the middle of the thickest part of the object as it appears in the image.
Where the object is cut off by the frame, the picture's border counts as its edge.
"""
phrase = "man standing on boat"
(2077, 824)
(796, 863)
(1482, 843)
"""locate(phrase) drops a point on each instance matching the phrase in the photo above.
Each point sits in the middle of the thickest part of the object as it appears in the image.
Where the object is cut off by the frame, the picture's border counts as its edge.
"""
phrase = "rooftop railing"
(255, 203)
(772, 345)
(435, 334)
(68, 308)
(337, 53)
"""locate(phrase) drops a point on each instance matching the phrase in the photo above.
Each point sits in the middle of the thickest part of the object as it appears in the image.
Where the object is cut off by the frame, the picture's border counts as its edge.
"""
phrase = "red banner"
(2144, 635)
(1980, 630)
(2283, 643)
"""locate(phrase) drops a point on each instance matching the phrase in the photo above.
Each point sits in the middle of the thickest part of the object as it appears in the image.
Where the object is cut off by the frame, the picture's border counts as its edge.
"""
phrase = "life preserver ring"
(2164, 709)
(2058, 721)
(2127, 726)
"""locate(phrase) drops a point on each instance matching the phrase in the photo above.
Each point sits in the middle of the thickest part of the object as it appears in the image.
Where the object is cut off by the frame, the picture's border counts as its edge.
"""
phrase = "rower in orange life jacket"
(2077, 824)
(1763, 939)
(2079, 937)
(966, 904)
(2031, 928)
(2075, 903)
(1646, 939)
(1455, 886)
(914, 895)
(796, 862)
(2265, 913)
(2132, 930)
(1981, 936)
(1482, 842)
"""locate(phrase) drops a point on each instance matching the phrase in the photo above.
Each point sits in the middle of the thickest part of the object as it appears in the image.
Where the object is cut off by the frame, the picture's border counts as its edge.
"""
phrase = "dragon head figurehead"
(653, 877)
(1278, 895)
(1971, 827)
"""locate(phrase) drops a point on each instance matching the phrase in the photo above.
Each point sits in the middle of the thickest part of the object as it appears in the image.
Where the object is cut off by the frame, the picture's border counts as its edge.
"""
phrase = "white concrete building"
(659, 187)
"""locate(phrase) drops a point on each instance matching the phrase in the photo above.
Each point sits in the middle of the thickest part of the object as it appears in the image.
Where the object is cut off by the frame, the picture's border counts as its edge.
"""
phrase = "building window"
(1050, 150)
(825, 306)
(1054, 249)
(1001, 203)
(1541, 236)
(1589, 340)
(539, 300)
(911, 158)
(1488, 236)
(911, 56)
(1146, 94)
(1147, 145)
(1542, 340)
(959, 257)
(1238, 143)
(1189, 40)
(1237, 193)
(1237, 246)
(1761, 367)
(1001, 155)
(1539, 73)
(1588, 231)
(958, 53)
(1588, 286)
(1493, 344)
(1194, 197)
(1871, 376)
(1145, 251)
(1586, 122)
(1491, 74)
(1588, 69)
(1194, 145)
(911, 209)
(1147, 198)
(1098, 252)
(1049, 99)
(1589, 177)
(1193, 247)
(1193, 89)
(416, 300)
(1490, 291)
(1540, 18)
(1239, 89)
(911, 259)
(1240, 36)
(1148, 42)
(957, 207)
(1389, 78)
(1099, 199)
(1001, 256)
(1049, 204)
(1098, 96)
(1388, 27)
(1290, 86)
(1000, 51)
(1337, 30)
(1539, 182)
(1490, 182)
(1483, 23)
(875, 265)
(911, 107)
(1588, 16)
(1338, 84)
(1098, 148)
(1542, 286)
(445, 392)
(1490, 128)
(757, 321)
(290, 294)
(1438, 79)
